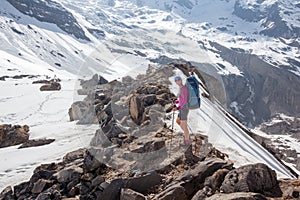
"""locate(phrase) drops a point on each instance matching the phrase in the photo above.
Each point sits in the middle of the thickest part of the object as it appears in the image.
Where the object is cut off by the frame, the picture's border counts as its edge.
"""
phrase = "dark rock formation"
(51, 12)
(13, 135)
(53, 86)
(257, 178)
(36, 143)
(262, 91)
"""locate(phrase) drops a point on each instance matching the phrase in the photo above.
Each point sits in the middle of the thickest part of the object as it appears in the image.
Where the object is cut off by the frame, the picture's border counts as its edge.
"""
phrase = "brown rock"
(136, 109)
(74, 155)
(252, 178)
(36, 143)
(13, 135)
(40, 186)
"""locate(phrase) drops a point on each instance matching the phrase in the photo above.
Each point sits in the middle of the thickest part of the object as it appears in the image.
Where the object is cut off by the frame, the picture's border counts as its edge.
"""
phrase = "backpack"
(192, 85)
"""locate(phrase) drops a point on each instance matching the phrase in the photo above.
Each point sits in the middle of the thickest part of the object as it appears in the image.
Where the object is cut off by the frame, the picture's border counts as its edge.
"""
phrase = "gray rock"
(197, 176)
(257, 178)
(68, 174)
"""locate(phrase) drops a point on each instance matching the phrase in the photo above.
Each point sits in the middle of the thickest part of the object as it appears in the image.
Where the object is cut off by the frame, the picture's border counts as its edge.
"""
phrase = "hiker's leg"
(178, 121)
(185, 129)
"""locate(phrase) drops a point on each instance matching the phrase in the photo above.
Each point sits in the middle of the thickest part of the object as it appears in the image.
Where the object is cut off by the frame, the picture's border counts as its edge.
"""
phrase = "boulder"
(257, 178)
(195, 178)
(211, 184)
(77, 110)
(74, 155)
(13, 135)
(53, 86)
(128, 194)
(36, 143)
(141, 184)
(136, 109)
(68, 174)
(40, 186)
(238, 196)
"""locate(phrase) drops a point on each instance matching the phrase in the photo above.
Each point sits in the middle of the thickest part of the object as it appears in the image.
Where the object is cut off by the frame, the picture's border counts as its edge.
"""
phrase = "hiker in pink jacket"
(182, 107)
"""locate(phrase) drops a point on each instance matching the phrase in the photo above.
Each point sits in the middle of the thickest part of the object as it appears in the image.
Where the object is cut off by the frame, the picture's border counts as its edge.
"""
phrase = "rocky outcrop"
(51, 12)
(53, 86)
(257, 178)
(13, 135)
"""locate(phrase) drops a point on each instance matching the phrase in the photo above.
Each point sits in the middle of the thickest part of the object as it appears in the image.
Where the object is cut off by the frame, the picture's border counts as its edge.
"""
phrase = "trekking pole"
(173, 117)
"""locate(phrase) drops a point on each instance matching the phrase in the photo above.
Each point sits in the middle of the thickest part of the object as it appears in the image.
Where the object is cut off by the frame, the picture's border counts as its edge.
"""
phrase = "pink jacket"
(182, 97)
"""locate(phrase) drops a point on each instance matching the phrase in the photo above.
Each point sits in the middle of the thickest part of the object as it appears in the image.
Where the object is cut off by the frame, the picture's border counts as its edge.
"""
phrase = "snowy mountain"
(260, 39)
(247, 50)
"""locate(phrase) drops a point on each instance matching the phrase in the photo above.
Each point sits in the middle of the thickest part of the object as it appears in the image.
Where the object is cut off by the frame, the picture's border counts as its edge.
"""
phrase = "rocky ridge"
(145, 162)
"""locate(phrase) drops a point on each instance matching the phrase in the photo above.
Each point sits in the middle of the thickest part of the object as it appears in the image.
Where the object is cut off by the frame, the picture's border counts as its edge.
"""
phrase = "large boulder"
(141, 184)
(257, 178)
(193, 180)
(13, 135)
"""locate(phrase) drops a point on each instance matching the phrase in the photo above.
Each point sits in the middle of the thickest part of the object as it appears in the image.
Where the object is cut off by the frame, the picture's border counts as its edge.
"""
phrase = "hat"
(177, 78)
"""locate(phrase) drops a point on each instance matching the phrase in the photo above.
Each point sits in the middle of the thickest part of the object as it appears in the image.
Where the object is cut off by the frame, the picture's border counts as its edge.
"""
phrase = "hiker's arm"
(184, 98)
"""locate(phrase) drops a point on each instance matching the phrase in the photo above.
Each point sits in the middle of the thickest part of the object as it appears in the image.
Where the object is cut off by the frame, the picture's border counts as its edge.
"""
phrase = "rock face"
(51, 12)
(53, 86)
(274, 25)
(13, 135)
(257, 178)
(262, 91)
